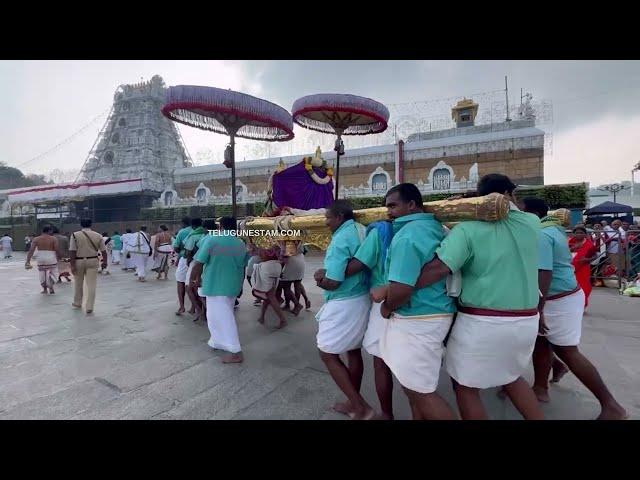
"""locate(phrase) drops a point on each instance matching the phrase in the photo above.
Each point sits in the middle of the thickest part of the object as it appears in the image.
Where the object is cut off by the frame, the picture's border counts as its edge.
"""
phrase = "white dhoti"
(181, 271)
(140, 262)
(222, 324)
(490, 351)
(342, 324)
(129, 262)
(375, 328)
(115, 257)
(412, 349)
(47, 267)
(563, 318)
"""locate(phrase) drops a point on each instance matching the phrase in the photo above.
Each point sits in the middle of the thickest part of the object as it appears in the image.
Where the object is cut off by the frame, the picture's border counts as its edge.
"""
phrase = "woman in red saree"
(583, 251)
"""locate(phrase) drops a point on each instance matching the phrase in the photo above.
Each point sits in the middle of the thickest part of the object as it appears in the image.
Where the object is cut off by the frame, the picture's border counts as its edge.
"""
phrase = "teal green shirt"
(117, 242)
(344, 244)
(413, 245)
(192, 240)
(555, 256)
(498, 261)
(178, 243)
(224, 259)
(369, 255)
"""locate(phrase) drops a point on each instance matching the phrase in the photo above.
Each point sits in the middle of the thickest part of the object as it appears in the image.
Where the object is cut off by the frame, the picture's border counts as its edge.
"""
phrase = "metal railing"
(617, 259)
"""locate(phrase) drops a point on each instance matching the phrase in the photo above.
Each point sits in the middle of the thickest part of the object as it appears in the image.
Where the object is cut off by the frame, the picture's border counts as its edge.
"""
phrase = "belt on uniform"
(564, 294)
(85, 258)
(487, 312)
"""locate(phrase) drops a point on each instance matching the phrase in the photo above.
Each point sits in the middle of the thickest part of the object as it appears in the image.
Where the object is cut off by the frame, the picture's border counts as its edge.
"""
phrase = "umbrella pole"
(233, 175)
(337, 176)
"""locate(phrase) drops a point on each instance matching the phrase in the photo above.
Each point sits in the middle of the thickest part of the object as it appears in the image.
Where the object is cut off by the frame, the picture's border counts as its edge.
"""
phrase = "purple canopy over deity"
(295, 188)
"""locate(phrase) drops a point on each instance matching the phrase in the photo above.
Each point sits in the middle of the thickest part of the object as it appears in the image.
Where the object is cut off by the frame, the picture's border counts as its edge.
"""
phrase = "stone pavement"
(134, 359)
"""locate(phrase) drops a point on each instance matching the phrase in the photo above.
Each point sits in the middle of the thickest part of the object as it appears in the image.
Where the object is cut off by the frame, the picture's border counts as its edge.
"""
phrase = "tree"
(11, 177)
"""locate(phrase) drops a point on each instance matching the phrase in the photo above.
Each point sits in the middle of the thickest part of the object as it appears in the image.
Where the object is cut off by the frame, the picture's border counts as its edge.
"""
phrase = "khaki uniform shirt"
(82, 246)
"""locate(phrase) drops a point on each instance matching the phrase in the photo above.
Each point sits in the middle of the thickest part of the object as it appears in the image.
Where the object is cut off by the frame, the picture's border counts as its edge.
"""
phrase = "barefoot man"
(218, 268)
(492, 339)
(561, 308)
(190, 248)
(371, 257)
(343, 318)
(47, 246)
(417, 320)
(181, 271)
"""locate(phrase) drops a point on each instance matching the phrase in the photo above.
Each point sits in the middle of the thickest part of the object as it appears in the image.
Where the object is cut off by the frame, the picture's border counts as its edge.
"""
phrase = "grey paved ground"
(134, 359)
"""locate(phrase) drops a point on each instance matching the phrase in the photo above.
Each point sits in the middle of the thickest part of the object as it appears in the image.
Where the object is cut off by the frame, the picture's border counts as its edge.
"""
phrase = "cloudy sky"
(593, 131)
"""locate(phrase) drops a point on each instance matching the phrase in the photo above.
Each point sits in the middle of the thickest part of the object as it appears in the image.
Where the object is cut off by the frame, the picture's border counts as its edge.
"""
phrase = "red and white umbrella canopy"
(228, 112)
(342, 114)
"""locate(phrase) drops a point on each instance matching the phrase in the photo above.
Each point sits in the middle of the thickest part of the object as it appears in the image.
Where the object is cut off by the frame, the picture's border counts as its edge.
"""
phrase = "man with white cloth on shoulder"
(416, 320)
(140, 252)
(561, 308)
(492, 339)
(218, 268)
(127, 242)
(342, 320)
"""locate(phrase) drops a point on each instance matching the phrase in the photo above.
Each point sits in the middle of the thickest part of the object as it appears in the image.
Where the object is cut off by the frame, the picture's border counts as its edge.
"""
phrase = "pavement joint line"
(13, 326)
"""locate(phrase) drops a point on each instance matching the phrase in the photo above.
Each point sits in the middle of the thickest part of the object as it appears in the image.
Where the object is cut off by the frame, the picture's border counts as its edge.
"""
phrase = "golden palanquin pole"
(490, 208)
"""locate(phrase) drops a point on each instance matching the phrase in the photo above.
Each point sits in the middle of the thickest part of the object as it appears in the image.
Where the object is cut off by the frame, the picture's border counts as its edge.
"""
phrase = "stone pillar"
(399, 173)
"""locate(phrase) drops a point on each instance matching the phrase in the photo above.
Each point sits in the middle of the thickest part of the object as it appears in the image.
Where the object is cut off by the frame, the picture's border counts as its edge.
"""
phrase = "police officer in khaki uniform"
(83, 248)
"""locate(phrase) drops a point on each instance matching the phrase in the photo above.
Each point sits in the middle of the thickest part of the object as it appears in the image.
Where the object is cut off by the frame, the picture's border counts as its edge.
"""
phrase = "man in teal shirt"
(219, 270)
(116, 239)
(343, 318)
(417, 320)
(371, 258)
(190, 249)
(181, 271)
(492, 339)
(561, 308)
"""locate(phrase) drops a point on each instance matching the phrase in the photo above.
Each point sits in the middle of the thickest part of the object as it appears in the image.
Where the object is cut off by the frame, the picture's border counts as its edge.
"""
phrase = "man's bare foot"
(180, 311)
(89, 312)
(281, 324)
(76, 306)
(261, 320)
(197, 315)
(308, 305)
(542, 394)
(45, 291)
(59, 281)
(233, 358)
(559, 372)
(343, 408)
(192, 311)
(51, 292)
(297, 310)
(613, 412)
(365, 414)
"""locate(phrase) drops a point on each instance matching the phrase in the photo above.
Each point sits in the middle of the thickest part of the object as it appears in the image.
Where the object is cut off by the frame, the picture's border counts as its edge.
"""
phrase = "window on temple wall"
(168, 198)
(379, 183)
(201, 195)
(441, 179)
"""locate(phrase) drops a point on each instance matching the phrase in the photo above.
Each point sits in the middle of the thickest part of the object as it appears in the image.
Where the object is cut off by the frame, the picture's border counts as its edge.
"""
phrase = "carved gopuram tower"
(137, 141)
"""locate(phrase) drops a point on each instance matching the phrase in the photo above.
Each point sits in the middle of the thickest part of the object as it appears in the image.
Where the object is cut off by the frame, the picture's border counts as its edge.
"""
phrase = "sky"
(592, 132)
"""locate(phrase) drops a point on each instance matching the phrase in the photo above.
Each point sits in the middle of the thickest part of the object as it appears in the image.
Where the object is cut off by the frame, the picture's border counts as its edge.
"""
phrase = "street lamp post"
(614, 188)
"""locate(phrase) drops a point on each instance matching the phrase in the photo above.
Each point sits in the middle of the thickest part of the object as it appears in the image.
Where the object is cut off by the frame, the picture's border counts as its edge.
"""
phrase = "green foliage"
(174, 214)
(11, 177)
(558, 196)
